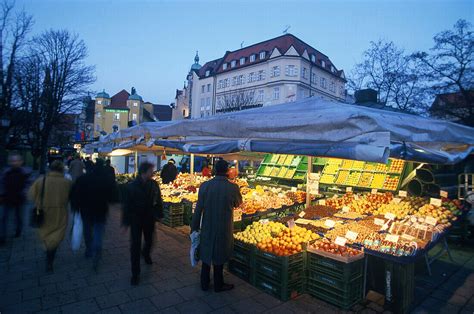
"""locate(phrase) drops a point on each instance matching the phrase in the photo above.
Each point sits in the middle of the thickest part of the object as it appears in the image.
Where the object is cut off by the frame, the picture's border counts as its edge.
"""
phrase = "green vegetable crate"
(242, 263)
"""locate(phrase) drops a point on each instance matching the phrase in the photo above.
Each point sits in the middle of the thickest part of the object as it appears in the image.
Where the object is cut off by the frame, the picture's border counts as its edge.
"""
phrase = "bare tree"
(52, 82)
(236, 101)
(449, 67)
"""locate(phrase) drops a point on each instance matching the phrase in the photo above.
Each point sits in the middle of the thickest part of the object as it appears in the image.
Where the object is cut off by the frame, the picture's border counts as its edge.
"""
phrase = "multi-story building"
(123, 110)
(282, 69)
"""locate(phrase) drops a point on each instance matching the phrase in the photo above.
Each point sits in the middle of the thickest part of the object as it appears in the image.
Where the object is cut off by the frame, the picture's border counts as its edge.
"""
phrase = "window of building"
(208, 72)
(341, 91)
(135, 104)
(323, 63)
(262, 55)
(234, 81)
(252, 95)
(242, 61)
(313, 77)
(241, 80)
(99, 102)
(332, 87)
(134, 116)
(304, 73)
(97, 127)
(219, 84)
(323, 82)
(228, 82)
(184, 112)
(333, 69)
(208, 103)
(224, 66)
(208, 87)
(291, 70)
(233, 63)
(116, 116)
(98, 114)
(261, 75)
(252, 58)
(203, 88)
(261, 95)
(275, 71)
(203, 103)
(249, 80)
(276, 93)
(313, 58)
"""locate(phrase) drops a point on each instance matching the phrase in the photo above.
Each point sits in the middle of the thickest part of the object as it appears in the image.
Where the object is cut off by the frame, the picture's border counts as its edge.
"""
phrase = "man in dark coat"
(89, 164)
(169, 172)
(92, 194)
(143, 206)
(13, 184)
(216, 202)
(110, 170)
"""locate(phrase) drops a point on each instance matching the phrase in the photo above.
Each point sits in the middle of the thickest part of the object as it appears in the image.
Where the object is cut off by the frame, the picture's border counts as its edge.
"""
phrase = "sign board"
(293, 189)
(374, 191)
(390, 216)
(301, 214)
(392, 238)
(291, 223)
(351, 235)
(402, 193)
(330, 223)
(431, 221)
(396, 200)
(435, 201)
(322, 202)
(443, 194)
(349, 189)
(379, 222)
(341, 241)
(313, 183)
(346, 209)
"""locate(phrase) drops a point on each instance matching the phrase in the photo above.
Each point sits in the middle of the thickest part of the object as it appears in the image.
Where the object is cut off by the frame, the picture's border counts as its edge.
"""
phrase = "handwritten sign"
(341, 241)
(346, 209)
(302, 214)
(303, 221)
(407, 237)
(330, 223)
(322, 202)
(384, 227)
(431, 221)
(396, 200)
(351, 235)
(349, 189)
(293, 189)
(413, 219)
(392, 238)
(390, 216)
(422, 227)
(402, 193)
(435, 201)
(443, 193)
(379, 222)
(313, 183)
(264, 221)
(374, 191)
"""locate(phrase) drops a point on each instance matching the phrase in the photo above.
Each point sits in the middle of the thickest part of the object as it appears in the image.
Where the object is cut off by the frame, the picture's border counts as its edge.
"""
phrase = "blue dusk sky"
(151, 44)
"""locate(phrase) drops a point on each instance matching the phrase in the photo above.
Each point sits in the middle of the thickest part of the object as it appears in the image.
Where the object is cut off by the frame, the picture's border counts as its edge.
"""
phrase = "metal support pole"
(310, 170)
(192, 164)
(136, 162)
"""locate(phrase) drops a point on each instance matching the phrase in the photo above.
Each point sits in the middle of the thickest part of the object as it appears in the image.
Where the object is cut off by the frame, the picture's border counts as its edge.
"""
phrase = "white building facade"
(276, 71)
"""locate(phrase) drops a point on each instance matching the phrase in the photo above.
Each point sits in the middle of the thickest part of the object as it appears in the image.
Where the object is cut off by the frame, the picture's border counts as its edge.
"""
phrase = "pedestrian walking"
(169, 172)
(92, 194)
(89, 164)
(213, 217)
(76, 168)
(143, 206)
(13, 184)
(110, 170)
(51, 193)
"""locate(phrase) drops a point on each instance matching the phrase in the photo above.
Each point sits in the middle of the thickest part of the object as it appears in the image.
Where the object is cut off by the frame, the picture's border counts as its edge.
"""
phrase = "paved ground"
(170, 285)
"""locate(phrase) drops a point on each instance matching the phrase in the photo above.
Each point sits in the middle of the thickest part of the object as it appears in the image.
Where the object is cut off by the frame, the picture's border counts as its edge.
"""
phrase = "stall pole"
(136, 162)
(310, 170)
(192, 164)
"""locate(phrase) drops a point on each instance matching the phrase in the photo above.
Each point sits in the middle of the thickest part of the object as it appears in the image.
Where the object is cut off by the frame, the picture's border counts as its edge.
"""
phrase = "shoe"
(135, 280)
(225, 287)
(147, 258)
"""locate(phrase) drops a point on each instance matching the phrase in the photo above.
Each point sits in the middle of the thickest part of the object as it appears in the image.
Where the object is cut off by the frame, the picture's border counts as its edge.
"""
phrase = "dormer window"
(208, 72)
(99, 102)
(323, 63)
(333, 69)
(262, 55)
(224, 66)
(135, 104)
(233, 63)
(242, 61)
(252, 58)
(313, 58)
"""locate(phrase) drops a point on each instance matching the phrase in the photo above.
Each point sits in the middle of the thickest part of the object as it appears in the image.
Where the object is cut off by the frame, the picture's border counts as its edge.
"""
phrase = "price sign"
(402, 193)
(431, 221)
(423, 227)
(407, 237)
(396, 200)
(349, 189)
(303, 221)
(264, 221)
(291, 223)
(313, 183)
(379, 222)
(293, 189)
(390, 216)
(374, 191)
(435, 201)
(392, 238)
(384, 227)
(413, 219)
(197, 190)
(330, 223)
(302, 214)
(351, 235)
(346, 209)
(341, 241)
(356, 197)
(443, 193)
(322, 202)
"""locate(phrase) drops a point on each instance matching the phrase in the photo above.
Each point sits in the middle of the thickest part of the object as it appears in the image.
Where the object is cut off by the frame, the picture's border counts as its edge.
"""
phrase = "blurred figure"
(92, 194)
(143, 206)
(169, 172)
(109, 170)
(89, 165)
(76, 168)
(13, 184)
(213, 217)
(55, 201)
(206, 171)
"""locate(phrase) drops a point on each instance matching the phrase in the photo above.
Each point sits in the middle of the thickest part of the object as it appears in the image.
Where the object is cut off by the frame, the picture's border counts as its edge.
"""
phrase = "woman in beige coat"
(55, 201)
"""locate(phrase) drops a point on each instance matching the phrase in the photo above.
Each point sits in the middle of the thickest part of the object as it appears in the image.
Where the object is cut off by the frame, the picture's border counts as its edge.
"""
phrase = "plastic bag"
(194, 251)
(76, 236)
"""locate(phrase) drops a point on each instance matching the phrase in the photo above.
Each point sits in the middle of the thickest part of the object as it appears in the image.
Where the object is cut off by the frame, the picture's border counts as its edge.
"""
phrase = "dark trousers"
(50, 255)
(146, 228)
(206, 275)
(4, 211)
(93, 235)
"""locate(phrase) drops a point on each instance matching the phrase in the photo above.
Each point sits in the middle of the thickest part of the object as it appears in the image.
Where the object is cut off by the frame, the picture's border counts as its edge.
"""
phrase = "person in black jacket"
(143, 205)
(92, 194)
(169, 172)
(110, 170)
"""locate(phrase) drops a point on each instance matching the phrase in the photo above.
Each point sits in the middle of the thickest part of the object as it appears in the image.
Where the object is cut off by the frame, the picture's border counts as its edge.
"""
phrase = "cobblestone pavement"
(171, 285)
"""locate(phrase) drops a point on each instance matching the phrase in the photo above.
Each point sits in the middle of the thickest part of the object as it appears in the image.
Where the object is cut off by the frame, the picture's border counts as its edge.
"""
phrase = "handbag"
(76, 236)
(37, 218)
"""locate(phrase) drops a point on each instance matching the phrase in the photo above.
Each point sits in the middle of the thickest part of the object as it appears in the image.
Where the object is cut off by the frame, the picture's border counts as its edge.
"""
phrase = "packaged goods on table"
(400, 210)
(353, 232)
(349, 215)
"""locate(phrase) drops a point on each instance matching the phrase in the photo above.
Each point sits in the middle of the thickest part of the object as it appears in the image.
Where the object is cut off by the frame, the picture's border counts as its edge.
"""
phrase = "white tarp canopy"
(313, 126)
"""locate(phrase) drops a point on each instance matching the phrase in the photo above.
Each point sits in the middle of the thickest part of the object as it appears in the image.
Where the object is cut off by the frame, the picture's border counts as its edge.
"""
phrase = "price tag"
(303, 221)
(392, 238)
(330, 223)
(349, 189)
(379, 222)
(291, 223)
(443, 193)
(293, 189)
(396, 200)
(264, 221)
(413, 219)
(351, 235)
(407, 237)
(322, 202)
(422, 227)
(197, 190)
(390, 216)
(435, 201)
(346, 209)
(302, 214)
(384, 227)
(431, 221)
(356, 197)
(341, 241)
(402, 193)
(374, 191)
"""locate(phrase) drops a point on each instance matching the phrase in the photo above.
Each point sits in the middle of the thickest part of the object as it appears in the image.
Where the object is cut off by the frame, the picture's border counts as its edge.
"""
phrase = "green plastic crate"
(344, 299)
(242, 271)
(336, 269)
(283, 269)
(173, 208)
(244, 253)
(282, 291)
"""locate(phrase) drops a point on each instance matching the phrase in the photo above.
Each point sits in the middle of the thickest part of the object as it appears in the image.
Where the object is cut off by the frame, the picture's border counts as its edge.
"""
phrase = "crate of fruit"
(283, 291)
(242, 270)
(283, 269)
(173, 208)
(244, 253)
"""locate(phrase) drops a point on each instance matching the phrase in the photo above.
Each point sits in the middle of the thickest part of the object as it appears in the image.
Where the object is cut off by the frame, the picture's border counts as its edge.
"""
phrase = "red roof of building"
(282, 43)
(119, 100)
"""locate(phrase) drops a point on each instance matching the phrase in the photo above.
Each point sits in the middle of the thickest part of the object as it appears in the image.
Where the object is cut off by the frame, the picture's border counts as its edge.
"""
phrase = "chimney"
(365, 95)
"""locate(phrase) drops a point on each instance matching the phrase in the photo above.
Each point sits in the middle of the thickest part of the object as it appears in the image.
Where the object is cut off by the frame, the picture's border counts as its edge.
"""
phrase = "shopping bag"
(76, 236)
(194, 251)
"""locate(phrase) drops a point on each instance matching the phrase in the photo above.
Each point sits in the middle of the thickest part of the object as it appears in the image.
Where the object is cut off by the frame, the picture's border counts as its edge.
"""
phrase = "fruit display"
(290, 173)
(318, 211)
(353, 178)
(365, 179)
(342, 177)
(381, 168)
(377, 181)
(362, 232)
(339, 202)
(263, 198)
(289, 241)
(327, 178)
(349, 215)
(274, 172)
(288, 160)
(297, 196)
(364, 204)
(396, 166)
(274, 159)
(331, 168)
(440, 213)
(282, 172)
(455, 206)
(378, 242)
(400, 210)
(124, 178)
(327, 246)
(370, 166)
(358, 165)
(391, 183)
(257, 232)
(266, 171)
(347, 164)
